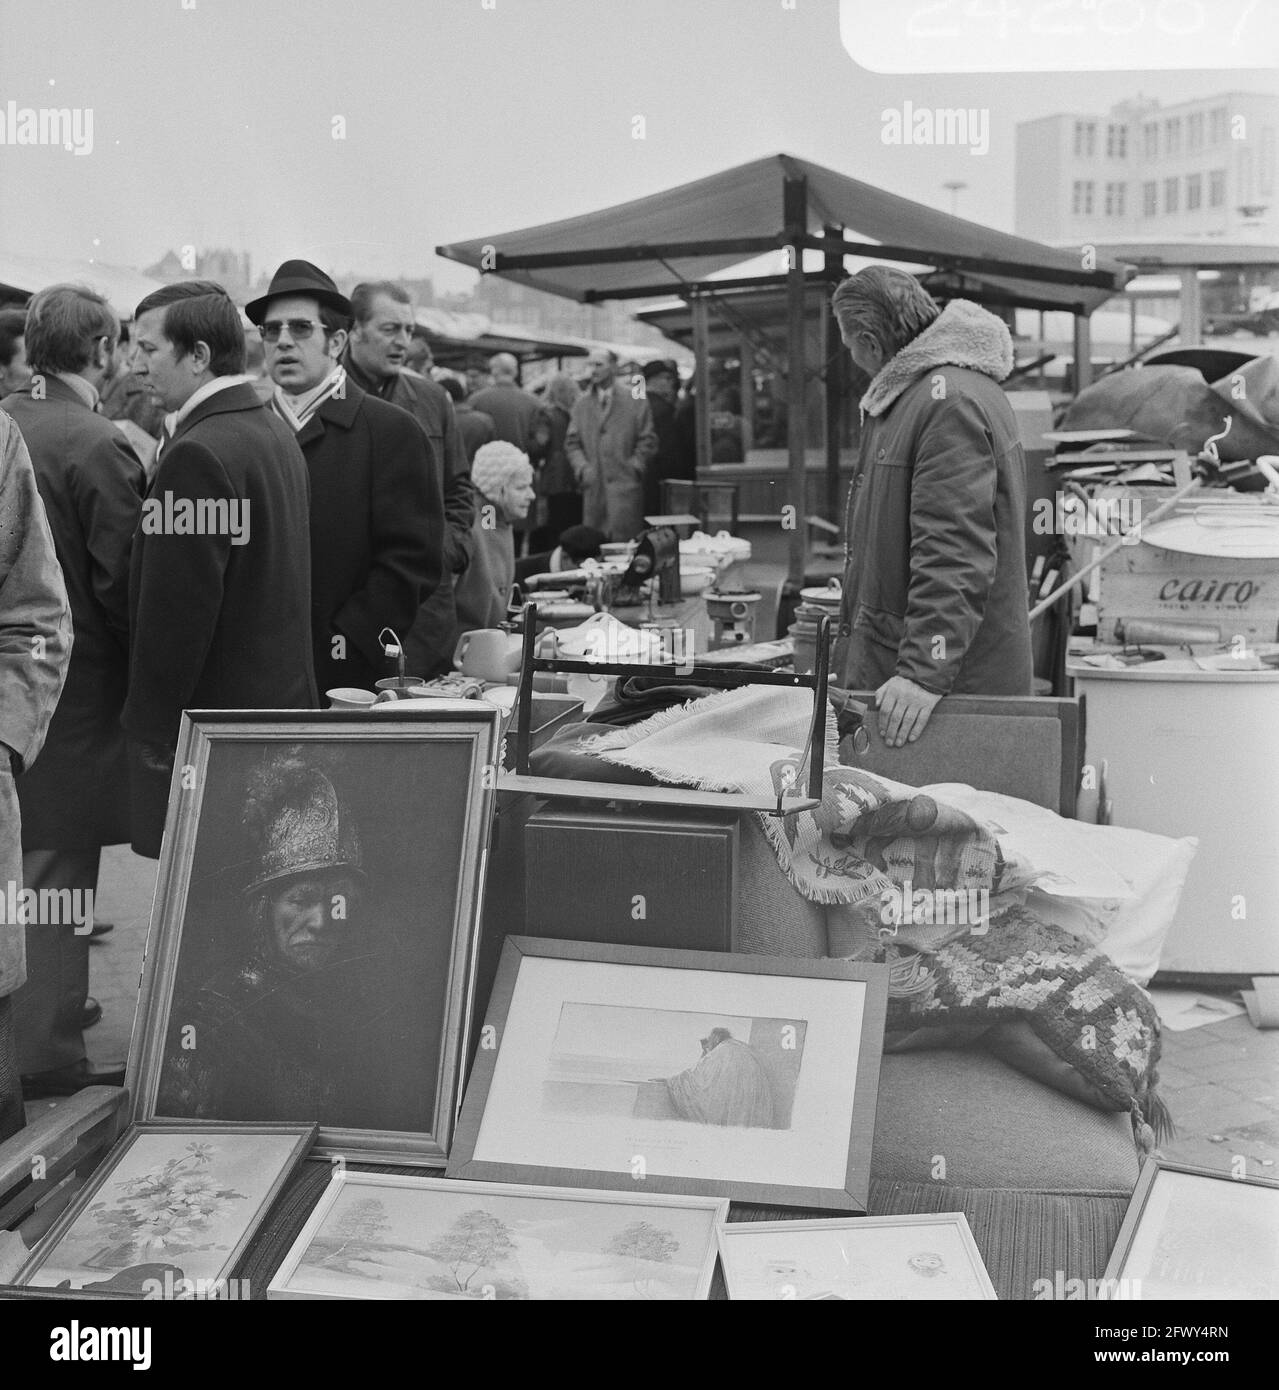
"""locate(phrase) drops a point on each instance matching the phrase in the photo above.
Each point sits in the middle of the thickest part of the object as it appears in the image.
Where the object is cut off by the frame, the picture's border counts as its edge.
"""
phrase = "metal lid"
(1251, 536)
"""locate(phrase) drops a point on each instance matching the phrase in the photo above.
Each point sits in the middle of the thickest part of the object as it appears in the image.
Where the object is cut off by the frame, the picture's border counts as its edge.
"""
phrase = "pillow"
(1113, 885)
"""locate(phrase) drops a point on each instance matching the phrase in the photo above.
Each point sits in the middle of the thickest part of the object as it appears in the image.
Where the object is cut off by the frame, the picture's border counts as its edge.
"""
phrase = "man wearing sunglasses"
(377, 512)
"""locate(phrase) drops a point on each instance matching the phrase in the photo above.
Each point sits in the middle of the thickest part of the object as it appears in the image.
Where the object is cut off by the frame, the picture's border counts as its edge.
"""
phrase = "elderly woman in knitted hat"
(503, 478)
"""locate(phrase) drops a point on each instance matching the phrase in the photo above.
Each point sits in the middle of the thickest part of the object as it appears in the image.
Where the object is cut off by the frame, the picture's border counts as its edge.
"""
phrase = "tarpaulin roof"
(719, 221)
(123, 288)
(457, 337)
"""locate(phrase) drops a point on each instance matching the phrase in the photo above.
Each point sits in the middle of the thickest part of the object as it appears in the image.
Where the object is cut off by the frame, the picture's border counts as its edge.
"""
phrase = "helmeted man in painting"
(308, 1024)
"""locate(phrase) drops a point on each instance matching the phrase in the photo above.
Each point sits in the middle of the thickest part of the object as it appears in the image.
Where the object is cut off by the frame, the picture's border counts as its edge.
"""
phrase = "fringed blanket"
(914, 882)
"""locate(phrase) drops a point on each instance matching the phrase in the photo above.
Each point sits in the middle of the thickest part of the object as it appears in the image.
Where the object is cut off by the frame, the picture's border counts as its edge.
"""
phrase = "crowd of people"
(196, 517)
(284, 521)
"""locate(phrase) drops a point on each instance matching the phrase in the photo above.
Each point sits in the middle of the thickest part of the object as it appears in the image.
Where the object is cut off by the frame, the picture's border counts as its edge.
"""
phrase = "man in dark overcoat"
(220, 577)
(377, 508)
(75, 800)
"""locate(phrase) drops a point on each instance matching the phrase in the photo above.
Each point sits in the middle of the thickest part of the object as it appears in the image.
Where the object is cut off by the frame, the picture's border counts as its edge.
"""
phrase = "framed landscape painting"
(903, 1258)
(382, 1236)
(1196, 1233)
(311, 956)
(625, 1067)
(169, 1213)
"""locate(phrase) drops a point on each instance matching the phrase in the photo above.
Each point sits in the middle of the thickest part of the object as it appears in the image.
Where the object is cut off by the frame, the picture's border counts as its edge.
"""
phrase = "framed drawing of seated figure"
(311, 952)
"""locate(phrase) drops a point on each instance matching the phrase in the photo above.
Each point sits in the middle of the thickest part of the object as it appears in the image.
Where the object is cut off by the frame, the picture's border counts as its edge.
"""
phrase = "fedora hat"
(299, 277)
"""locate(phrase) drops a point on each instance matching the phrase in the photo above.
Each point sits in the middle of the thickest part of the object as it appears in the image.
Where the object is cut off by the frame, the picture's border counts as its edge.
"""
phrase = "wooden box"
(645, 877)
(1235, 595)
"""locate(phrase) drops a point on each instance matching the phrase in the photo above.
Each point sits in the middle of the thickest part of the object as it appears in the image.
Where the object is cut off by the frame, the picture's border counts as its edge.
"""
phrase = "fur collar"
(962, 335)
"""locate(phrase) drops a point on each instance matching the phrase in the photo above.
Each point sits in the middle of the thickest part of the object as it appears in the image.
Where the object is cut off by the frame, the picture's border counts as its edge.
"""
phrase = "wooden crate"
(1236, 596)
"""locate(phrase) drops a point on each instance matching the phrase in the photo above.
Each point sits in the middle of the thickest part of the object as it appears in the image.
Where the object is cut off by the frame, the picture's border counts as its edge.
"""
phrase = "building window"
(1172, 135)
(1081, 198)
(1149, 199)
(1194, 192)
(1116, 142)
(1114, 200)
(1195, 131)
(1170, 194)
(1150, 139)
(1085, 139)
(1217, 188)
(1217, 125)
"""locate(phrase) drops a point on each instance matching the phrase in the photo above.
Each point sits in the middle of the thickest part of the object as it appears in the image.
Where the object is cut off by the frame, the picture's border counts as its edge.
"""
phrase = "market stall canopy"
(681, 236)
(21, 276)
(456, 338)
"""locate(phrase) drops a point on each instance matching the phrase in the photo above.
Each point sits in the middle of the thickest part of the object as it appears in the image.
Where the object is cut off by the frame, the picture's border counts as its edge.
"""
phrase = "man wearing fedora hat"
(377, 508)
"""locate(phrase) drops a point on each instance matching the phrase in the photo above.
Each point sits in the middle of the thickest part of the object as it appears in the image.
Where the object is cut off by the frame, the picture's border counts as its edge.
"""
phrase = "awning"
(123, 288)
(457, 338)
(662, 243)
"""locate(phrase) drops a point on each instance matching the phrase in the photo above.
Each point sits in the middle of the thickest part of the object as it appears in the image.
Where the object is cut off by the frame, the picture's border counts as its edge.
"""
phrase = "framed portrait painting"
(386, 1236)
(647, 1070)
(169, 1213)
(311, 956)
(1196, 1233)
(902, 1258)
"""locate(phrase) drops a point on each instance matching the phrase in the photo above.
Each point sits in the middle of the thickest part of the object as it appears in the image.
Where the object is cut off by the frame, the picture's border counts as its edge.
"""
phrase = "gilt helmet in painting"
(297, 824)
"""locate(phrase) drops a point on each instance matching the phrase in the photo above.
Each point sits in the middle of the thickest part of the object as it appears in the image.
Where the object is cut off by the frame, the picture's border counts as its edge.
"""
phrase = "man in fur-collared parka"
(935, 579)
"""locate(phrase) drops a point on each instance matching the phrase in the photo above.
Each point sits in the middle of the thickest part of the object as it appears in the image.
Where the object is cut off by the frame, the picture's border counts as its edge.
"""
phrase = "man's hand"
(157, 757)
(904, 709)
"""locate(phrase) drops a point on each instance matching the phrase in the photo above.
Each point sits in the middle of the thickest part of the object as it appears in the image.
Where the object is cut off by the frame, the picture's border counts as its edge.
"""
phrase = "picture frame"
(588, 1074)
(312, 948)
(1196, 1233)
(903, 1258)
(164, 1194)
(499, 1241)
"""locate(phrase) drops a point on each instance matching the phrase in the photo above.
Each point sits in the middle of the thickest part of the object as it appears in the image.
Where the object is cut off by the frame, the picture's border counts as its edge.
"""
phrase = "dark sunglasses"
(299, 329)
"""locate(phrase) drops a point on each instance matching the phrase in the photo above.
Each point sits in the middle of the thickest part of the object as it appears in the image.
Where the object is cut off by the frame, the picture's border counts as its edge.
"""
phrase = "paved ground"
(1220, 1081)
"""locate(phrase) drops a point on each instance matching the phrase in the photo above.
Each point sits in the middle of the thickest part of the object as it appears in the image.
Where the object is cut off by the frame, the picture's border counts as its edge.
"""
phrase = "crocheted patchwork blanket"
(1078, 1003)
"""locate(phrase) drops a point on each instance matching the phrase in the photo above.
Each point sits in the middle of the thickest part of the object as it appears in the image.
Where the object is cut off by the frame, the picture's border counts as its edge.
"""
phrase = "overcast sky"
(213, 120)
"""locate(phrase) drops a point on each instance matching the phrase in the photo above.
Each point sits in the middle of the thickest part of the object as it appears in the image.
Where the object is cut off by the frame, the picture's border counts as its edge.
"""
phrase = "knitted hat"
(496, 465)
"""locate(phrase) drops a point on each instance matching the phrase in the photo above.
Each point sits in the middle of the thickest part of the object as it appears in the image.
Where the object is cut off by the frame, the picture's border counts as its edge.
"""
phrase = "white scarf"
(297, 410)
